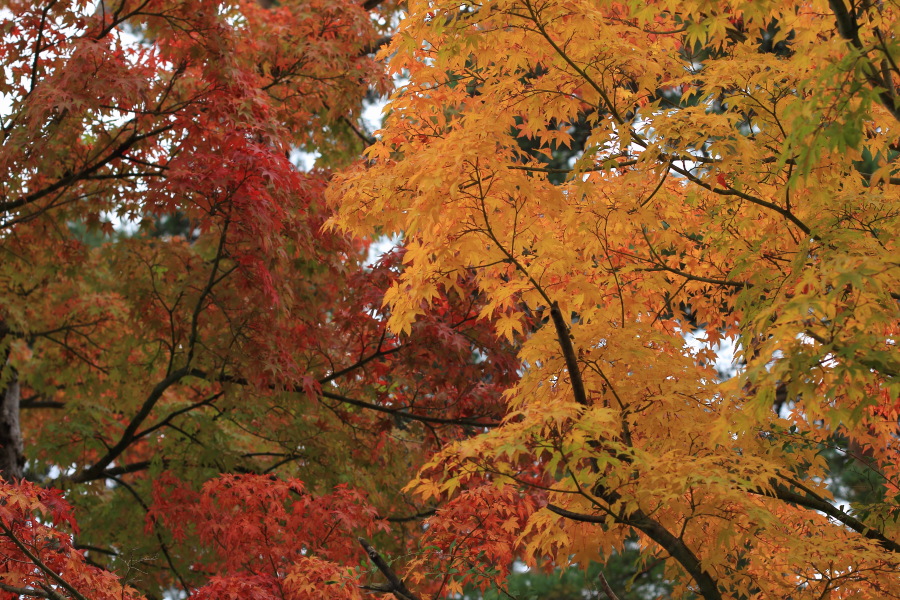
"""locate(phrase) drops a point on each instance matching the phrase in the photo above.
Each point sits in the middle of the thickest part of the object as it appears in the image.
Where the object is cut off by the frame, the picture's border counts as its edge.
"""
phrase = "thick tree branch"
(35, 402)
(847, 23)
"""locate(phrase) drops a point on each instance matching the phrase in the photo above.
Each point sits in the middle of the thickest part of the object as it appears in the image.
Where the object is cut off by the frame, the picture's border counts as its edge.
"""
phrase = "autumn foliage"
(187, 353)
(207, 392)
(735, 172)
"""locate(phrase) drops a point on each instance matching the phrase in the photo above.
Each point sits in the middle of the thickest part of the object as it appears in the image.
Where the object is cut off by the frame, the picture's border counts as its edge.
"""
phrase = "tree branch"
(606, 587)
(96, 471)
(847, 25)
(395, 584)
(119, 152)
(568, 350)
(40, 564)
(377, 45)
(662, 536)
(415, 517)
(781, 492)
(406, 415)
(24, 591)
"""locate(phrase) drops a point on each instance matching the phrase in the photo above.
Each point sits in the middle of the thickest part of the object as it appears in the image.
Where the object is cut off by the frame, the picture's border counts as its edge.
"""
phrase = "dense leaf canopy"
(206, 391)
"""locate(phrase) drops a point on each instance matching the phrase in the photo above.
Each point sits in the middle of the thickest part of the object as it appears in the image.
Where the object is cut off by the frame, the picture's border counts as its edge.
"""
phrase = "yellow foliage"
(754, 192)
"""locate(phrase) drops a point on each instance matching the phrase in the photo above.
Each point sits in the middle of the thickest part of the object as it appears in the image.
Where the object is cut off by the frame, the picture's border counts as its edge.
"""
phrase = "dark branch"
(377, 45)
(606, 587)
(415, 517)
(568, 350)
(97, 470)
(33, 402)
(782, 492)
(119, 152)
(24, 591)
(659, 534)
(395, 584)
(848, 27)
(397, 412)
(37, 562)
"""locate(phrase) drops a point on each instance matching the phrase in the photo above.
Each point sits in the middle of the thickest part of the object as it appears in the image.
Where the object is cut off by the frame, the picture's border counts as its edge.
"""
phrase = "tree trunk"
(12, 457)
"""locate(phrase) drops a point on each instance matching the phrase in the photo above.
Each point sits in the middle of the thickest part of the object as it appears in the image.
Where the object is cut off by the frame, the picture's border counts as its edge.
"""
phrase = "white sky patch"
(303, 160)
(373, 114)
(382, 246)
(520, 567)
(726, 351)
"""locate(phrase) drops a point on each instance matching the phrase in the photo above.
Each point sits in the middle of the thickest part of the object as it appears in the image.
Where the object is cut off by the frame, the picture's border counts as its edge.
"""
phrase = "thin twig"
(607, 588)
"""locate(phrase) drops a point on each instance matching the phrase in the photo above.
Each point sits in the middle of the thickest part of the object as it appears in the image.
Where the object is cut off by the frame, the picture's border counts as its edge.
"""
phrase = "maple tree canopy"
(216, 398)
